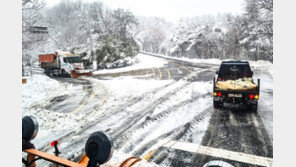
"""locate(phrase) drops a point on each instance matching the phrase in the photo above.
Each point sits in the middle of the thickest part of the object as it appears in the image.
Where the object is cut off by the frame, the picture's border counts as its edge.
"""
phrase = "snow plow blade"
(78, 73)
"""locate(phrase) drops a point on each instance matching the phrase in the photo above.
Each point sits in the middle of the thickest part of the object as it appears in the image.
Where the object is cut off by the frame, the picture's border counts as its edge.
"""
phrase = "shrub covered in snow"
(114, 52)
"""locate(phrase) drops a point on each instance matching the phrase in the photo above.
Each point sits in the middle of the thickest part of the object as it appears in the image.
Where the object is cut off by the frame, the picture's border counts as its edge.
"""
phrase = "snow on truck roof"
(237, 62)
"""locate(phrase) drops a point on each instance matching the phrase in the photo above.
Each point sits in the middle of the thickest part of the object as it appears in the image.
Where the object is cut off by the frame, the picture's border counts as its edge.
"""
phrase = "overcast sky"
(172, 10)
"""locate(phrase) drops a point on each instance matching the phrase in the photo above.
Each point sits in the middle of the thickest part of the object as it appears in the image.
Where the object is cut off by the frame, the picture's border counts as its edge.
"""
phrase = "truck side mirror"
(217, 72)
(251, 73)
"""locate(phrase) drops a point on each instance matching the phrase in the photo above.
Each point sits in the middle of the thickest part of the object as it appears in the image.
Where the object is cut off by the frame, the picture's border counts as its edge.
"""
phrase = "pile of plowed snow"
(144, 61)
(36, 95)
(38, 88)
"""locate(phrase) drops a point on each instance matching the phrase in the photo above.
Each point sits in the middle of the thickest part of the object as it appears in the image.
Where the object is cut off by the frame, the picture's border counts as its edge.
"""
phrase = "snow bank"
(52, 125)
(37, 89)
(262, 65)
(207, 61)
(144, 61)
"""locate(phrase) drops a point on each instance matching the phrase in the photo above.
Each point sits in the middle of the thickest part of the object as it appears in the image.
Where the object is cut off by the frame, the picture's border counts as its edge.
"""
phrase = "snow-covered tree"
(247, 36)
(30, 17)
(257, 26)
(152, 34)
(80, 26)
(123, 22)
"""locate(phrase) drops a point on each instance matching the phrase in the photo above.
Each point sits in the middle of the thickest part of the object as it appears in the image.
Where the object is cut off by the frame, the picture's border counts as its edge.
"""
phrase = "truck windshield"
(234, 71)
(74, 59)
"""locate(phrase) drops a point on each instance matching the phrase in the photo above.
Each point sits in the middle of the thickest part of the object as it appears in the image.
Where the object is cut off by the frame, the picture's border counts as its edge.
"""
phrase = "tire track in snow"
(175, 134)
(155, 118)
(80, 134)
(118, 134)
(115, 133)
(121, 108)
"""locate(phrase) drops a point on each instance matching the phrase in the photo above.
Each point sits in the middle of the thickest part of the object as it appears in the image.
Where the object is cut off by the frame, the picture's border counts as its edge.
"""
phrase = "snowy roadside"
(206, 61)
(260, 64)
(143, 62)
(265, 106)
(39, 89)
(36, 94)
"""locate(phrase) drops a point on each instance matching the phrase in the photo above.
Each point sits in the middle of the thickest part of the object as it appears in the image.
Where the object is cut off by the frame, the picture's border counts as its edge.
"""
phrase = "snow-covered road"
(138, 106)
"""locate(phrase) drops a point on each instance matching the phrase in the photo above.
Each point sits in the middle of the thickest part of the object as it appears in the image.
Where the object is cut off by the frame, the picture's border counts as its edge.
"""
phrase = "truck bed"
(230, 86)
(47, 58)
(49, 61)
(51, 65)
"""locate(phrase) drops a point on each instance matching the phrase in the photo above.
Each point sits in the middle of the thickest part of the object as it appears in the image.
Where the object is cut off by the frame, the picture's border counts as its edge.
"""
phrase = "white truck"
(62, 63)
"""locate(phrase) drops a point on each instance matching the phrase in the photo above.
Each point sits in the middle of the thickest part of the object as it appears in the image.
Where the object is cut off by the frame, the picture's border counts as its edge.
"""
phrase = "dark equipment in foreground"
(98, 150)
(29, 128)
(235, 85)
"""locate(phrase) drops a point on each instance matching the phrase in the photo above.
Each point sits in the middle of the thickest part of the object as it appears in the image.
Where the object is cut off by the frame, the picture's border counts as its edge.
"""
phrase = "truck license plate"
(235, 95)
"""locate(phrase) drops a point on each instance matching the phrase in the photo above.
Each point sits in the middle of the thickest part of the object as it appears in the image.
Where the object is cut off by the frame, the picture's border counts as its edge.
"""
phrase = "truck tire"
(253, 107)
(218, 104)
(49, 73)
(46, 73)
(63, 73)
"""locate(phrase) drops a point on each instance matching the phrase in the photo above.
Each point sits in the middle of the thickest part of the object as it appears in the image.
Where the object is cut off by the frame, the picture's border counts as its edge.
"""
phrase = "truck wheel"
(63, 73)
(218, 104)
(51, 74)
(253, 107)
(46, 73)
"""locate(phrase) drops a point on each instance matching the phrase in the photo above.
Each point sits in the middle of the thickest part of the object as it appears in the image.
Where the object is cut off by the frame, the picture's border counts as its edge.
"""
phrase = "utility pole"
(257, 56)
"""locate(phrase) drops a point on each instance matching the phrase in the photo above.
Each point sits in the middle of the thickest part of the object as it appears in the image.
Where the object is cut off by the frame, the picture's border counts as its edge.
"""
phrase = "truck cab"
(69, 63)
(232, 70)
